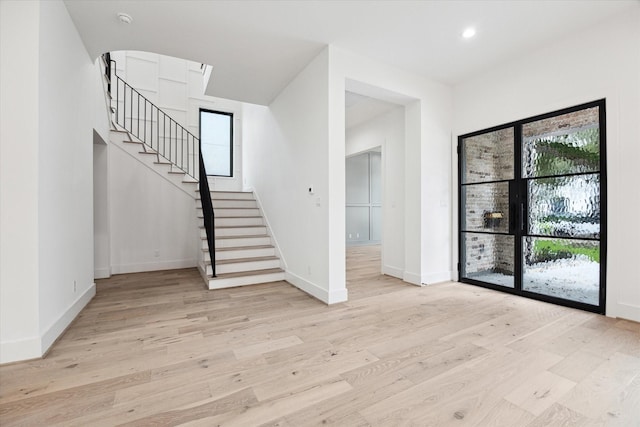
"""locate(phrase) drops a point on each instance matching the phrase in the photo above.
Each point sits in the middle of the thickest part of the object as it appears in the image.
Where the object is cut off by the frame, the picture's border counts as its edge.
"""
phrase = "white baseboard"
(23, 349)
(439, 277)
(153, 266)
(627, 311)
(315, 290)
(35, 347)
(392, 271)
(60, 325)
(412, 278)
(307, 286)
(102, 273)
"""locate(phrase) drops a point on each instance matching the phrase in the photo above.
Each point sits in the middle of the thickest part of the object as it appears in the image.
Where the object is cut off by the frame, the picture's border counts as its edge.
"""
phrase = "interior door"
(533, 208)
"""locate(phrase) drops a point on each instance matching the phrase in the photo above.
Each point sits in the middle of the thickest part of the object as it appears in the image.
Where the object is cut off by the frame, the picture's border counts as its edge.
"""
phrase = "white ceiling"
(257, 47)
(361, 108)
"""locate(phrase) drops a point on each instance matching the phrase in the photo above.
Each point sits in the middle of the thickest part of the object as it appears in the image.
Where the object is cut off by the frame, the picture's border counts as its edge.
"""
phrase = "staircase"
(244, 252)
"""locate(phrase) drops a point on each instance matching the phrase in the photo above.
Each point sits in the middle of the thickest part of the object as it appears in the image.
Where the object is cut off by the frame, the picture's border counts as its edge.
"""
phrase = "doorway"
(363, 177)
(532, 203)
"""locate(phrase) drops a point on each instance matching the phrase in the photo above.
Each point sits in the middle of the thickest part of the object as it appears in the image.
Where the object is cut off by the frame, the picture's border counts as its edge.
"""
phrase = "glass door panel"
(489, 258)
(562, 268)
(487, 241)
(567, 206)
(562, 145)
(486, 207)
(561, 164)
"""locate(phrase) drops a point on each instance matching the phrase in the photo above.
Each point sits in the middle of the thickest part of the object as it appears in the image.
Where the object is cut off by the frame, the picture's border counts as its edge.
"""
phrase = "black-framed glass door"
(532, 203)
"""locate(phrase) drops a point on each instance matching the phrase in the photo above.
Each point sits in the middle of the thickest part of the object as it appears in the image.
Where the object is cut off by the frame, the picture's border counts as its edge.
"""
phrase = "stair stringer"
(274, 240)
(126, 142)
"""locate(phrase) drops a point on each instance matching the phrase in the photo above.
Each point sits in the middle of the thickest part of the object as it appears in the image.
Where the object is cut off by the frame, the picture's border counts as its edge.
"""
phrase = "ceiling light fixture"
(469, 32)
(124, 18)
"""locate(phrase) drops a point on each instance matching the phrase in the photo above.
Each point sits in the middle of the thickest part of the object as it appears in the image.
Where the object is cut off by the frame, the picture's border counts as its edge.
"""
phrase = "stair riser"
(245, 253)
(234, 232)
(236, 212)
(234, 204)
(242, 281)
(239, 222)
(246, 266)
(229, 195)
(240, 231)
(245, 241)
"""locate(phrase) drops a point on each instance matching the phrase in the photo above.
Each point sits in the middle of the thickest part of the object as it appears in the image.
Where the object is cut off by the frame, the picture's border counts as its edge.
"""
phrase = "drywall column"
(19, 128)
(286, 152)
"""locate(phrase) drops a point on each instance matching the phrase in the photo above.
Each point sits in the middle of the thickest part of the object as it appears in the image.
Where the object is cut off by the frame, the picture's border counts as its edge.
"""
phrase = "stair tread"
(244, 248)
(230, 192)
(239, 226)
(247, 273)
(242, 237)
(233, 200)
(243, 260)
(236, 217)
(239, 207)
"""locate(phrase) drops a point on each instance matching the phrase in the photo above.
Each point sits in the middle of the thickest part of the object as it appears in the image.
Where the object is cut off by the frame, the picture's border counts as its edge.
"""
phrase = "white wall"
(101, 232)
(386, 131)
(286, 151)
(601, 62)
(176, 86)
(47, 217)
(427, 167)
(19, 145)
(152, 222)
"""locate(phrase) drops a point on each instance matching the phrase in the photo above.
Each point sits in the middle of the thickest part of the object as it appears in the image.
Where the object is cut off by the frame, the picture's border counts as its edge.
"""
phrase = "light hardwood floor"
(159, 349)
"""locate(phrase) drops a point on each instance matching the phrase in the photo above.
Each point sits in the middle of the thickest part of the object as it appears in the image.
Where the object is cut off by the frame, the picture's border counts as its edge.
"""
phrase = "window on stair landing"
(216, 140)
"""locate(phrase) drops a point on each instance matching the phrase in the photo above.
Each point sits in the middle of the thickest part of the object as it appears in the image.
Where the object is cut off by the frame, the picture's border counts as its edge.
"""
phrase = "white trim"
(35, 347)
(628, 311)
(153, 266)
(338, 296)
(392, 271)
(315, 290)
(274, 241)
(412, 278)
(438, 277)
(102, 273)
(171, 79)
(58, 327)
(22, 349)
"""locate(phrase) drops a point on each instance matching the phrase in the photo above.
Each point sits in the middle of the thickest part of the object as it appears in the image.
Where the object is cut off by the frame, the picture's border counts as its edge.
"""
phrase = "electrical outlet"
(350, 236)
(309, 269)
(75, 287)
(156, 253)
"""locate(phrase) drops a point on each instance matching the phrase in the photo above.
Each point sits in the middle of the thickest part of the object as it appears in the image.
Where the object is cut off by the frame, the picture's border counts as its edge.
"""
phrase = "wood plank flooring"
(159, 349)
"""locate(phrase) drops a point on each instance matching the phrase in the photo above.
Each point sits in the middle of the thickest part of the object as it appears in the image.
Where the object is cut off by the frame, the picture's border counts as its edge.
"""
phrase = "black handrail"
(207, 213)
(166, 136)
(185, 141)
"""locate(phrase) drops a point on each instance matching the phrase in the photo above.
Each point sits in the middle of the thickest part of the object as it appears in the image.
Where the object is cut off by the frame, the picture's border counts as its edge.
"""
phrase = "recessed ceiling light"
(124, 18)
(469, 32)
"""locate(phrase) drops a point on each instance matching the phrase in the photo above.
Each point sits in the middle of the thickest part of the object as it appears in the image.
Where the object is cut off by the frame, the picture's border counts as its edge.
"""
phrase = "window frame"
(231, 137)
